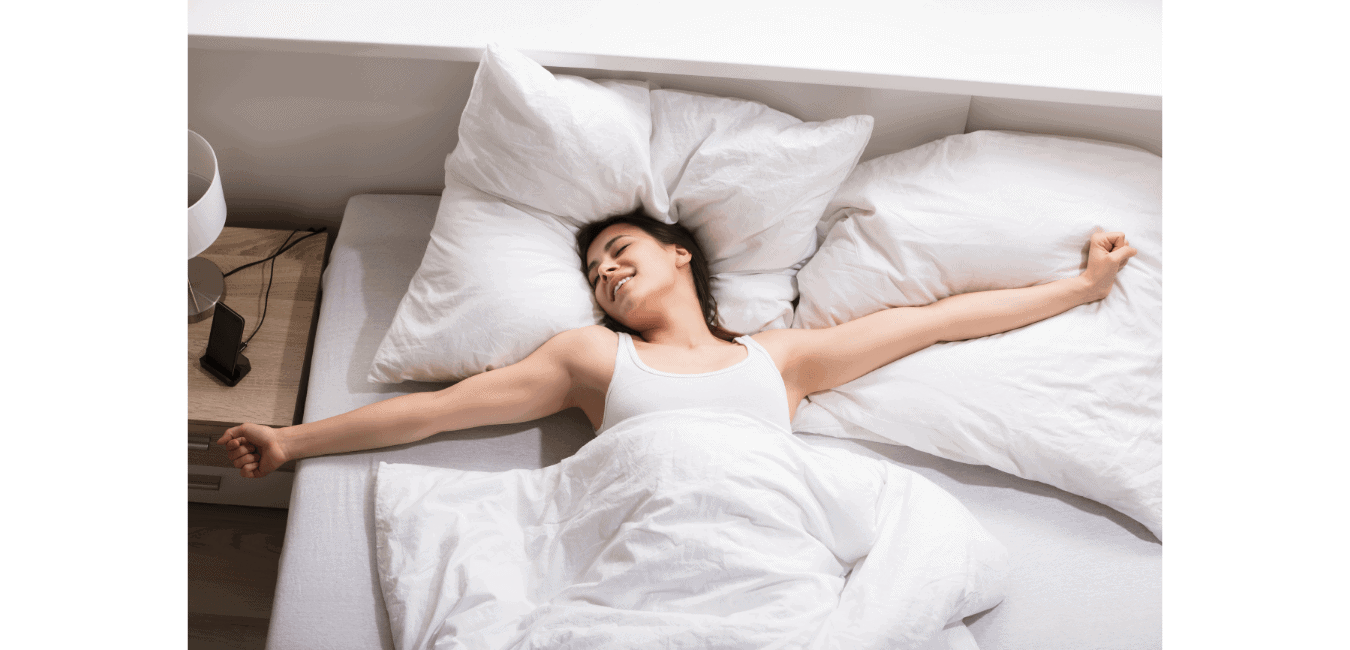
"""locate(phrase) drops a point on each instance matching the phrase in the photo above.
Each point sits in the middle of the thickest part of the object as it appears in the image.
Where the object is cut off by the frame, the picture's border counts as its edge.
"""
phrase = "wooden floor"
(232, 573)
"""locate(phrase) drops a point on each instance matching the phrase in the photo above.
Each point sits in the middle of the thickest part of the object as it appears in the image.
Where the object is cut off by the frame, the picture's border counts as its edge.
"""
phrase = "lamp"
(206, 218)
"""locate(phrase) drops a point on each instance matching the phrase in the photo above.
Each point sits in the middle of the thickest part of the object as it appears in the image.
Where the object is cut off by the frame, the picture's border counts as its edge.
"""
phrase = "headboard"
(308, 105)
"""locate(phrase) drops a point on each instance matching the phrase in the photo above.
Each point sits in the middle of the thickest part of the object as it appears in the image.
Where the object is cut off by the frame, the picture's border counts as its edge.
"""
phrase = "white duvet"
(681, 529)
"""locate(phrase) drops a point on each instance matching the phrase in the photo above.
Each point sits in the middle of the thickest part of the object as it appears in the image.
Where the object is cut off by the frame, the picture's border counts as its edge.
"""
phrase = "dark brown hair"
(666, 234)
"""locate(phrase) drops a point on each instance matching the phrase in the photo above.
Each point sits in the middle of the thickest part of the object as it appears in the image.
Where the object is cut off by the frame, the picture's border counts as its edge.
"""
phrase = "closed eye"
(616, 254)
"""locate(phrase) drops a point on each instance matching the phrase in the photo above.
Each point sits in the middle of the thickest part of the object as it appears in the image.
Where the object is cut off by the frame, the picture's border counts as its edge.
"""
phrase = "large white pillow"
(495, 283)
(1073, 401)
(750, 183)
(557, 152)
(564, 145)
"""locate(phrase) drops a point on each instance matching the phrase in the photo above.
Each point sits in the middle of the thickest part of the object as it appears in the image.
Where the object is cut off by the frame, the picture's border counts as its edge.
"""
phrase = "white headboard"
(307, 105)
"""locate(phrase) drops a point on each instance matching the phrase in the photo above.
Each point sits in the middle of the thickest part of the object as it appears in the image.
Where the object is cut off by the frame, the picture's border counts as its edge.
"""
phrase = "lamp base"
(206, 287)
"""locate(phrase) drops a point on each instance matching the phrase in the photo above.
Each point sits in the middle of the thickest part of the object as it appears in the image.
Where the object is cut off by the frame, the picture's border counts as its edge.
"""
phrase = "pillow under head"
(558, 152)
(1073, 401)
(750, 183)
(497, 281)
(564, 145)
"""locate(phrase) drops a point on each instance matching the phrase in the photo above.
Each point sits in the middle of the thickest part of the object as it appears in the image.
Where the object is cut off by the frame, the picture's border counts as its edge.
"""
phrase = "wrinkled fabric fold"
(693, 528)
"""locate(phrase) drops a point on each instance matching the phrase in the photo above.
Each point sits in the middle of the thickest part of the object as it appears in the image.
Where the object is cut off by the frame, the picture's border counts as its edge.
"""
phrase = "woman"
(651, 280)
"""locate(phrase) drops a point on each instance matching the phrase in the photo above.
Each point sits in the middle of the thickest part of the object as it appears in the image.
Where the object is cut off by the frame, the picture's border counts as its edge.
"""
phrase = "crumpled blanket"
(680, 529)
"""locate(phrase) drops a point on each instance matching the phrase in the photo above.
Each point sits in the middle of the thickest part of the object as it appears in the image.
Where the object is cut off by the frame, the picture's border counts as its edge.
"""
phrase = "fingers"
(1109, 241)
(243, 455)
(231, 433)
(234, 447)
(249, 467)
(1115, 245)
(1122, 255)
(234, 439)
(242, 451)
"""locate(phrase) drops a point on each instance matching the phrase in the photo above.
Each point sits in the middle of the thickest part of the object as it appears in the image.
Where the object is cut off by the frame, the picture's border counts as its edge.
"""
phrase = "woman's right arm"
(537, 386)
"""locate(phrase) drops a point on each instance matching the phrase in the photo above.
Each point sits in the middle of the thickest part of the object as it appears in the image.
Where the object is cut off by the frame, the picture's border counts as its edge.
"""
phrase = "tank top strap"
(627, 352)
(754, 346)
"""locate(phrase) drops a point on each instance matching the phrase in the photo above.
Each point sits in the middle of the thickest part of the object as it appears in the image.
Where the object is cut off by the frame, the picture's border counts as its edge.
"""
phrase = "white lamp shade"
(206, 209)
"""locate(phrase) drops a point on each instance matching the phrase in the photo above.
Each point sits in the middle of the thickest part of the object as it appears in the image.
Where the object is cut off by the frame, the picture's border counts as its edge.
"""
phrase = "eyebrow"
(591, 267)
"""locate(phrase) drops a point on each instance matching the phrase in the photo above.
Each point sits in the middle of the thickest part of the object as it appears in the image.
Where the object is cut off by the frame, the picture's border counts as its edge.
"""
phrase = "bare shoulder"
(813, 360)
(585, 340)
(588, 353)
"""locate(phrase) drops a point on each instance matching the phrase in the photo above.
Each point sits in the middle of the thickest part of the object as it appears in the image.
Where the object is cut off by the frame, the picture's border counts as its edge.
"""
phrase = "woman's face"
(630, 271)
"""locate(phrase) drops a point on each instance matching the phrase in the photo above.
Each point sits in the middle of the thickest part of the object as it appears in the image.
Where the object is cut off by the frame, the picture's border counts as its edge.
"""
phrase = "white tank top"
(753, 387)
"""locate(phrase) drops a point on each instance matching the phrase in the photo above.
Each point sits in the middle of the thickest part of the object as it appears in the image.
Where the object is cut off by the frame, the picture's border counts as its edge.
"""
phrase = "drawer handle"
(203, 482)
(199, 443)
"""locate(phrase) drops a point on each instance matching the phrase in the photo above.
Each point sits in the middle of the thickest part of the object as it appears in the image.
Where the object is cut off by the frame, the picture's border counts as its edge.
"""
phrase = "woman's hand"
(255, 449)
(1107, 254)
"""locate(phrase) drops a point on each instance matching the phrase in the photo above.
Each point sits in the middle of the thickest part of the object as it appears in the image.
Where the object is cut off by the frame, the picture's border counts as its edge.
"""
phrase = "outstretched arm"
(982, 313)
(537, 386)
(817, 360)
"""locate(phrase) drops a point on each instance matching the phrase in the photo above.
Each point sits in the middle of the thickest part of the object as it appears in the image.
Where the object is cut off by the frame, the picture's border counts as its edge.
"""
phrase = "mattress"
(1082, 575)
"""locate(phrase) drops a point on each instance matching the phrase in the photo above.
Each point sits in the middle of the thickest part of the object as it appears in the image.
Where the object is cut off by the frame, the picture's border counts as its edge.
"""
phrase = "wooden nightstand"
(273, 391)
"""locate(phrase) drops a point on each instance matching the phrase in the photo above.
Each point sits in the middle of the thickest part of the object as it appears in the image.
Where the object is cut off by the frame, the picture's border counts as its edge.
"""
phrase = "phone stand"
(241, 368)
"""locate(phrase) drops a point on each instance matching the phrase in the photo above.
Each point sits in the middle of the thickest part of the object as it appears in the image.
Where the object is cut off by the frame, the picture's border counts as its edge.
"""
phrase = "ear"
(682, 256)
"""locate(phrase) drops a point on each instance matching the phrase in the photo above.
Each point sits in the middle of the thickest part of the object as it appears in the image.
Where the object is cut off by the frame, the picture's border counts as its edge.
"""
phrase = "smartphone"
(222, 357)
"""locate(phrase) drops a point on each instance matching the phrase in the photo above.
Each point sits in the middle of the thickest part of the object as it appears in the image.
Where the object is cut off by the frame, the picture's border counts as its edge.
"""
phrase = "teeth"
(615, 293)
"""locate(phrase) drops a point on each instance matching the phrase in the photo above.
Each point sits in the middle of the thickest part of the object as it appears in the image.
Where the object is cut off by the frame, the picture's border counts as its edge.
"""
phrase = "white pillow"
(749, 180)
(564, 145)
(495, 283)
(750, 183)
(1073, 401)
(540, 155)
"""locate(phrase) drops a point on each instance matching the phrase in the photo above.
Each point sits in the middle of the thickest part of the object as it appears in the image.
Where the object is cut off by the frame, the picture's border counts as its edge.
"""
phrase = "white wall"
(1135, 126)
(298, 133)
(310, 103)
(1100, 52)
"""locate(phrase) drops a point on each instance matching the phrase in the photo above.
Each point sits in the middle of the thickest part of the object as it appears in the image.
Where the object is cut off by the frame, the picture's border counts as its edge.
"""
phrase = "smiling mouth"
(615, 293)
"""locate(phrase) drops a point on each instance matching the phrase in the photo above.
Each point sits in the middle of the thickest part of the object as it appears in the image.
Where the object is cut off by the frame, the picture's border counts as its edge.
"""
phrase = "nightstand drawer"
(221, 485)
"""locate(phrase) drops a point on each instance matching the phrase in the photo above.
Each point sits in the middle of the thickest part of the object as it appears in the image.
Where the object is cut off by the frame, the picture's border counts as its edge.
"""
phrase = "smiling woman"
(637, 228)
(665, 312)
(692, 429)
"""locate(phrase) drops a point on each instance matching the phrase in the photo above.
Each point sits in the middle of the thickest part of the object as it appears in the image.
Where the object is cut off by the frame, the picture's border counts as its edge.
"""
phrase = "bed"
(1082, 575)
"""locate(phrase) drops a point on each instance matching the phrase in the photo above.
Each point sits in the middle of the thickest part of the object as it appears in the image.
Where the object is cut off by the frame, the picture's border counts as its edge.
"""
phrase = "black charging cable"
(285, 246)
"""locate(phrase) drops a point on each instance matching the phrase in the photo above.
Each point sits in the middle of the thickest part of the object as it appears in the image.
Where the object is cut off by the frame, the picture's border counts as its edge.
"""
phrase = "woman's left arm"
(817, 360)
(972, 315)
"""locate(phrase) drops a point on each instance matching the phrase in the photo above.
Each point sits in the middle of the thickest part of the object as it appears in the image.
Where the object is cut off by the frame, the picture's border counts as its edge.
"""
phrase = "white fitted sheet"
(1081, 575)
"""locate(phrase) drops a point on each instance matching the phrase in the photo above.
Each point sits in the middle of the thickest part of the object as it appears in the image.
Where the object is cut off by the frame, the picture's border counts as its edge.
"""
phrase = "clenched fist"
(256, 450)
(1108, 252)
